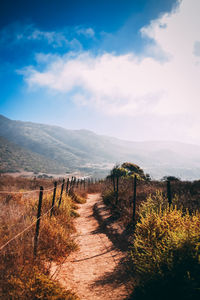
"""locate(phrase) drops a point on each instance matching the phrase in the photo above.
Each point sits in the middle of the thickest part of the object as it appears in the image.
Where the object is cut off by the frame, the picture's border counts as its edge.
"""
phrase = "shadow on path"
(97, 255)
(107, 225)
(119, 276)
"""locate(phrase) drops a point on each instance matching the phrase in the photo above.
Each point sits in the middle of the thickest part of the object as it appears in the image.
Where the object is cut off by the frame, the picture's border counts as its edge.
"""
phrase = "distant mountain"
(14, 158)
(55, 149)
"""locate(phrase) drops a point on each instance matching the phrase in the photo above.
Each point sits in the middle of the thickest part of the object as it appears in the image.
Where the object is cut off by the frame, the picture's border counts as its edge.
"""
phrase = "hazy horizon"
(125, 69)
(122, 139)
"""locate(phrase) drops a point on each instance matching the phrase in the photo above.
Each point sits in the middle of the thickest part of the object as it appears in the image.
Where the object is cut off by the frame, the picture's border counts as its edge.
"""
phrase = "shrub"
(166, 254)
(31, 283)
(109, 197)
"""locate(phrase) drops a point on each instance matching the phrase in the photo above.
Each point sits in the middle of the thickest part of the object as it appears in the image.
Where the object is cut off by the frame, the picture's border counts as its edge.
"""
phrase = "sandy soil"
(95, 270)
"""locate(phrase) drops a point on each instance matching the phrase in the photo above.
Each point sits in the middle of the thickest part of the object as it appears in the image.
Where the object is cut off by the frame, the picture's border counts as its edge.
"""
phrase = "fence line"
(39, 217)
(27, 192)
(33, 223)
(28, 227)
(114, 182)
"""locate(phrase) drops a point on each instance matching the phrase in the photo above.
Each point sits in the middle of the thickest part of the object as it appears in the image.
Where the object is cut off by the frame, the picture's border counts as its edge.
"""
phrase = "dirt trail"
(93, 272)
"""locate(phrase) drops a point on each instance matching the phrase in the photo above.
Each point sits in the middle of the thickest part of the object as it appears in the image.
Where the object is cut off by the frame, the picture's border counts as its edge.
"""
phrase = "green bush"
(166, 253)
(109, 197)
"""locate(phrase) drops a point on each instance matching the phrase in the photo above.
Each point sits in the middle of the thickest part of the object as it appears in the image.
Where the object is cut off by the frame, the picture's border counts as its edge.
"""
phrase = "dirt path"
(93, 272)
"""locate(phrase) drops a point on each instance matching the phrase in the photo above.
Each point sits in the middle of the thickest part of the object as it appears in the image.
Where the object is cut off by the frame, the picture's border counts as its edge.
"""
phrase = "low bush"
(109, 197)
(33, 283)
(166, 252)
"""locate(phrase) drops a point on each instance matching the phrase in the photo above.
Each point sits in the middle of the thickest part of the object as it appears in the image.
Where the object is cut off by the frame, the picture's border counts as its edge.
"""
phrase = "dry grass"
(184, 194)
(21, 275)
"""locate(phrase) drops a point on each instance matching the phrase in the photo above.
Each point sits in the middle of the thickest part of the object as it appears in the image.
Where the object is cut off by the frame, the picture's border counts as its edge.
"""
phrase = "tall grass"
(21, 275)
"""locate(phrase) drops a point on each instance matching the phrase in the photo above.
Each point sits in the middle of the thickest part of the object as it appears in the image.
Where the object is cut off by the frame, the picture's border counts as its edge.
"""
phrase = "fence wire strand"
(26, 229)
(28, 192)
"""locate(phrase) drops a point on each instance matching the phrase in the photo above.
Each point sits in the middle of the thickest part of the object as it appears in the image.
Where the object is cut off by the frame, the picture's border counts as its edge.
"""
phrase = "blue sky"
(124, 68)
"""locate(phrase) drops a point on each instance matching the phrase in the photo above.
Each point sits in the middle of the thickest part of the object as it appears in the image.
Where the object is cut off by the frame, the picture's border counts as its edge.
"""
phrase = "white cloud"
(128, 85)
(57, 39)
(16, 33)
(87, 32)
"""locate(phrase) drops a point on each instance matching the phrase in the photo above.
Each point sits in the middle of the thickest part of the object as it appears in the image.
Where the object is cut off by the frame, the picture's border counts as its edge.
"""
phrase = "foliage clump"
(133, 169)
(166, 253)
(170, 178)
(34, 284)
(127, 169)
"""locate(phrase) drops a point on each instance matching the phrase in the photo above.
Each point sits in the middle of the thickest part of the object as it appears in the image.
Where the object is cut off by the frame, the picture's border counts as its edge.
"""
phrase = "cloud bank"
(129, 84)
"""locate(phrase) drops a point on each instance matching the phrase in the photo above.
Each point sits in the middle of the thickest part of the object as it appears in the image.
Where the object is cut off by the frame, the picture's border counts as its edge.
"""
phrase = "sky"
(123, 68)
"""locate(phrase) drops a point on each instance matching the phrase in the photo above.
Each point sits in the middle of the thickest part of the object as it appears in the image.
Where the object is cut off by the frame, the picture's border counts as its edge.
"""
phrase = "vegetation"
(165, 240)
(166, 252)
(185, 194)
(170, 178)
(22, 276)
(14, 158)
(134, 170)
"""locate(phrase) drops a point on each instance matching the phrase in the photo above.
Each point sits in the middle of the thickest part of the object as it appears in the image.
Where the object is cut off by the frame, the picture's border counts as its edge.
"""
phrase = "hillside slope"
(14, 158)
(86, 151)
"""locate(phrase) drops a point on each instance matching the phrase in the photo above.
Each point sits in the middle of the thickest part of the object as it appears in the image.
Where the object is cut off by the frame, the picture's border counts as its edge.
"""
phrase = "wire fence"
(66, 186)
(126, 195)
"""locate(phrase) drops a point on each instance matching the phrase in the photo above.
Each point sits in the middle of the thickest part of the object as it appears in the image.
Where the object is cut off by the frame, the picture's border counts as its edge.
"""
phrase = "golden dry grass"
(22, 276)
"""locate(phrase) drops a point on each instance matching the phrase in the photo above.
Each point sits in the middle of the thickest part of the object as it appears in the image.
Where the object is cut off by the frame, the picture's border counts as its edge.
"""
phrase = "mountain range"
(52, 149)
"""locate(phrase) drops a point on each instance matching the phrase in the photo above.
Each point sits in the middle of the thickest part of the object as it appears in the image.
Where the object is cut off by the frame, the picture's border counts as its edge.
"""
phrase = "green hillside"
(14, 158)
(56, 149)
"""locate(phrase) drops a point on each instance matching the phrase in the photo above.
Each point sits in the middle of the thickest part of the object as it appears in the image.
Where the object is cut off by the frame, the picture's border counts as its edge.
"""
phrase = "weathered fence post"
(38, 222)
(67, 186)
(113, 179)
(117, 190)
(84, 183)
(169, 195)
(61, 192)
(134, 197)
(71, 182)
(74, 182)
(54, 196)
(77, 183)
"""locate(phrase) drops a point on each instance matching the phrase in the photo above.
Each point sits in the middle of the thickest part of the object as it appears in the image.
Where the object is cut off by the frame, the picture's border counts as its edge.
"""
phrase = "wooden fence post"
(71, 183)
(53, 200)
(38, 222)
(74, 182)
(77, 183)
(113, 180)
(67, 186)
(169, 195)
(134, 197)
(61, 193)
(84, 183)
(117, 190)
